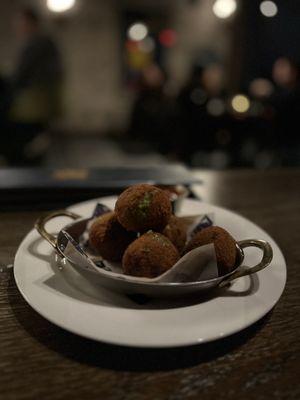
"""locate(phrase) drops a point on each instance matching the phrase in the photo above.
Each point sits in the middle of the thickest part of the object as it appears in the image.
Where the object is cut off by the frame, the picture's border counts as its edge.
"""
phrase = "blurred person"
(191, 101)
(4, 107)
(35, 85)
(4, 100)
(202, 109)
(149, 117)
(286, 103)
(259, 136)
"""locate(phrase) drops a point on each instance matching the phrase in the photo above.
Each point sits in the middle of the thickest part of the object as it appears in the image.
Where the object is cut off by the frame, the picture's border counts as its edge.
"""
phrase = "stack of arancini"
(143, 233)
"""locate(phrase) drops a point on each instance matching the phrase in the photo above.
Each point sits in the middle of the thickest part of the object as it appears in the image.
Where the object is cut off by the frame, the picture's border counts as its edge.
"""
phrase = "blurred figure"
(202, 109)
(259, 148)
(286, 102)
(149, 119)
(191, 103)
(35, 85)
(4, 101)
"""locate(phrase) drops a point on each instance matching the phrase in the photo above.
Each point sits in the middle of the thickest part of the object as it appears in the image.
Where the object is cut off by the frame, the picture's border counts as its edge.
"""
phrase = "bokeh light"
(60, 5)
(261, 88)
(284, 72)
(147, 45)
(215, 107)
(240, 103)
(224, 8)
(137, 31)
(268, 8)
(167, 37)
(132, 45)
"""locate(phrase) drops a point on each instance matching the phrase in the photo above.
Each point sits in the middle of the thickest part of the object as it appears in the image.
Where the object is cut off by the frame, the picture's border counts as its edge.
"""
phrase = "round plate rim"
(146, 344)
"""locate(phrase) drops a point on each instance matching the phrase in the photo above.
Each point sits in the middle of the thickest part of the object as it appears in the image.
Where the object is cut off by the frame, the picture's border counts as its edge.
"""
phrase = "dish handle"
(243, 270)
(41, 223)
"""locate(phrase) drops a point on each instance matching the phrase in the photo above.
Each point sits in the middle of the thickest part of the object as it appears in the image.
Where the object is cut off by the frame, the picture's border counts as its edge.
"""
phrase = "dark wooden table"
(41, 361)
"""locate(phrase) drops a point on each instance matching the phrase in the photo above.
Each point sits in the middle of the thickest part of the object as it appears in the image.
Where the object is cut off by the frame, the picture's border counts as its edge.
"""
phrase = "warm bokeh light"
(167, 37)
(285, 72)
(131, 45)
(268, 8)
(147, 45)
(261, 88)
(240, 103)
(215, 107)
(224, 8)
(137, 31)
(60, 5)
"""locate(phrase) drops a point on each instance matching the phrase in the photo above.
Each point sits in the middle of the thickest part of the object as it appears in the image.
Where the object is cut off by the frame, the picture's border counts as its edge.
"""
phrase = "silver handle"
(41, 222)
(243, 270)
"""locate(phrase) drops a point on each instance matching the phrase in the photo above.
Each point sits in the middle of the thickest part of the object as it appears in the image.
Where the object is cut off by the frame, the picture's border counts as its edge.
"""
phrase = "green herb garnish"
(143, 206)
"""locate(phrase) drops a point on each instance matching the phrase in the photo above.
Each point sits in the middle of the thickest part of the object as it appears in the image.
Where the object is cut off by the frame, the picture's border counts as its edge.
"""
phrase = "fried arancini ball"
(175, 231)
(225, 246)
(108, 237)
(149, 256)
(143, 207)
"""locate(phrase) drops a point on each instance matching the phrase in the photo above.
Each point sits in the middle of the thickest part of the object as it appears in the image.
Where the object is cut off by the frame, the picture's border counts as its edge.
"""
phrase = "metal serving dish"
(130, 285)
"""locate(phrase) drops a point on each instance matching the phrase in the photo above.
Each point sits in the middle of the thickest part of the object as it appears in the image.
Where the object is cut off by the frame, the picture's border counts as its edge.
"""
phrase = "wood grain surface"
(41, 361)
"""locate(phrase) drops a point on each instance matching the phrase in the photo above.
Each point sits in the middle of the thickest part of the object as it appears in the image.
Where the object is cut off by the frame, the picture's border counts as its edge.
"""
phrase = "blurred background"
(91, 83)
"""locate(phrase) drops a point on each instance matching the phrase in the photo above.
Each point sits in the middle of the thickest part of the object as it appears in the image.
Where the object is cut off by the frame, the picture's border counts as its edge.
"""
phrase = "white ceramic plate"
(69, 301)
